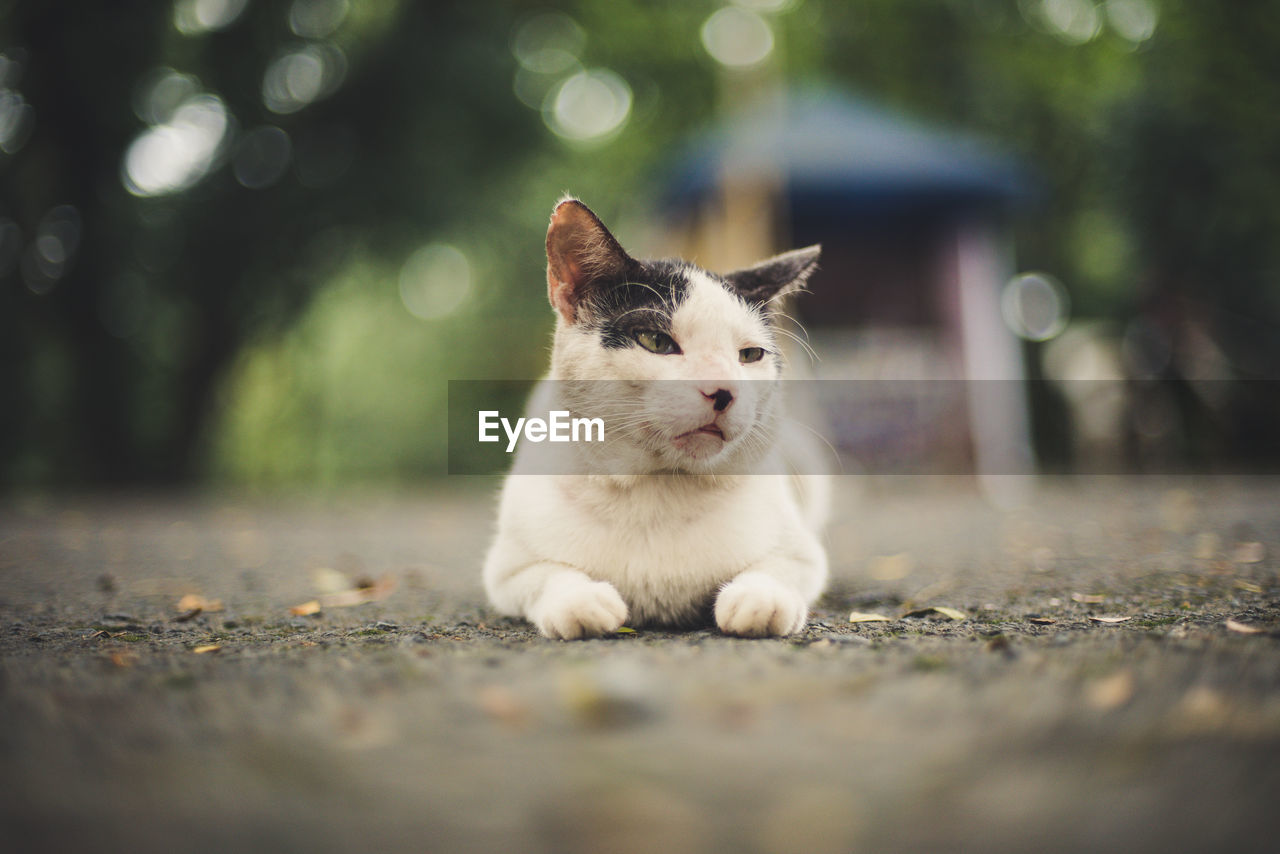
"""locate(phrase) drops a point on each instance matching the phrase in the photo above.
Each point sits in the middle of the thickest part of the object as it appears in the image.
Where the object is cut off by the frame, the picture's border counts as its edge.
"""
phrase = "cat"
(667, 523)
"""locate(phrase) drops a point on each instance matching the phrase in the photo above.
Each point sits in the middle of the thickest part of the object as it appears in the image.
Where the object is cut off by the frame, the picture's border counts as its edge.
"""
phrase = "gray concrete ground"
(404, 715)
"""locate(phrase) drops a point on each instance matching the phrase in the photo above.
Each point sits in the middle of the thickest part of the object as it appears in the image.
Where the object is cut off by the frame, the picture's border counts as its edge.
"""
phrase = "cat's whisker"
(656, 311)
(835, 454)
(804, 344)
(663, 299)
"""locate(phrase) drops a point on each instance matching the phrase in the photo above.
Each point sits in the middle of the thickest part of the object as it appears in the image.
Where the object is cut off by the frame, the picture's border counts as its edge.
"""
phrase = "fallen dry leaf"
(196, 602)
(1248, 586)
(1088, 598)
(189, 615)
(1109, 619)
(1042, 621)
(207, 647)
(1243, 628)
(344, 599)
(940, 610)
(862, 617)
(366, 590)
(306, 609)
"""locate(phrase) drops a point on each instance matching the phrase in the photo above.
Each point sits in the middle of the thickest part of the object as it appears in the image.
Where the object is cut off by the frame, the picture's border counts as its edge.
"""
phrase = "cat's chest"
(650, 528)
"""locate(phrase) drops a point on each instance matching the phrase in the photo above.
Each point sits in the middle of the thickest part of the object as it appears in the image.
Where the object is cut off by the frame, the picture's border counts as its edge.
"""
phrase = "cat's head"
(689, 357)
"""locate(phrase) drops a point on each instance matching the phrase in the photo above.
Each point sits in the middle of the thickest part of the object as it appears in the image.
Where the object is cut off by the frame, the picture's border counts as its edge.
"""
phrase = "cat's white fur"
(580, 555)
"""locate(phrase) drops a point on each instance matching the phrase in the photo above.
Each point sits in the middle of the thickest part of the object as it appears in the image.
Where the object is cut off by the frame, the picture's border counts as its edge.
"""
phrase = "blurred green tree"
(178, 182)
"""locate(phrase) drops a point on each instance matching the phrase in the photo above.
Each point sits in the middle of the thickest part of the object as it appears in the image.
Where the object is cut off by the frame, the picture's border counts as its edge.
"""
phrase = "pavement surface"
(216, 673)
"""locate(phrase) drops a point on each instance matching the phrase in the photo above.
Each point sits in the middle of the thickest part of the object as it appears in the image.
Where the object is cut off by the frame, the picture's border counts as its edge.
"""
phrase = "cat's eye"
(747, 355)
(657, 342)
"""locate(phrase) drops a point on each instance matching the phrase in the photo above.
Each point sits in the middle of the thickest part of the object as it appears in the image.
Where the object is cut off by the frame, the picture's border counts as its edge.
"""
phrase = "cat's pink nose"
(720, 400)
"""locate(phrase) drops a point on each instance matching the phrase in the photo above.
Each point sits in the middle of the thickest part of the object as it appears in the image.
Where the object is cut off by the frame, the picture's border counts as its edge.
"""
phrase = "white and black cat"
(684, 512)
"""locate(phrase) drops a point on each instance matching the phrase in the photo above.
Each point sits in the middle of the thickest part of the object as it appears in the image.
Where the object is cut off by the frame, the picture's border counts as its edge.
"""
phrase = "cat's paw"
(758, 606)
(584, 609)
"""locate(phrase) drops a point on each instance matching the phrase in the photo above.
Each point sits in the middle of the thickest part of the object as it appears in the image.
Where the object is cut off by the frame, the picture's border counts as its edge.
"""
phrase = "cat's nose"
(720, 400)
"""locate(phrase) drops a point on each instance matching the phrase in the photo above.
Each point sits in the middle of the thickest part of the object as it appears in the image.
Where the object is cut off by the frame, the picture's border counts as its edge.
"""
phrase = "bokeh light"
(547, 48)
(1035, 306)
(533, 87)
(548, 43)
(173, 156)
(193, 17)
(435, 281)
(160, 92)
(303, 75)
(17, 120)
(1072, 21)
(1132, 20)
(589, 106)
(262, 156)
(51, 253)
(316, 19)
(737, 37)
(772, 6)
(11, 68)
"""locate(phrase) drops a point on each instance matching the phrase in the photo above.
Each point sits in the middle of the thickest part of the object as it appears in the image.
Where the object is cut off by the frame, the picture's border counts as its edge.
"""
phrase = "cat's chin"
(702, 444)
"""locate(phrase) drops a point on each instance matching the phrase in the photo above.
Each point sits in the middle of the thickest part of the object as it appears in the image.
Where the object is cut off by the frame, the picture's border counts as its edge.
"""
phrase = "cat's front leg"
(757, 604)
(565, 603)
(572, 606)
(772, 598)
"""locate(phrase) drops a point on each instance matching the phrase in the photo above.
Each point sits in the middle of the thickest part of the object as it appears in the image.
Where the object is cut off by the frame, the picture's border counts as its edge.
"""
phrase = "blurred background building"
(248, 242)
(906, 309)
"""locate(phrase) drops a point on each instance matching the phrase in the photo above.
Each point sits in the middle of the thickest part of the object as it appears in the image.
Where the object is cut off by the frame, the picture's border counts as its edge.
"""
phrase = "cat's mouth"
(700, 437)
(706, 429)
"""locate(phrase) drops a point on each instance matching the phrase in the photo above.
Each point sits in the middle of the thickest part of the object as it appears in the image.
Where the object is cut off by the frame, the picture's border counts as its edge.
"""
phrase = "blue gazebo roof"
(838, 155)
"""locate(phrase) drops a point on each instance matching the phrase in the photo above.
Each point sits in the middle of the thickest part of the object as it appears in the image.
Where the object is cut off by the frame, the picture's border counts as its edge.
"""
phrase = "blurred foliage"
(253, 327)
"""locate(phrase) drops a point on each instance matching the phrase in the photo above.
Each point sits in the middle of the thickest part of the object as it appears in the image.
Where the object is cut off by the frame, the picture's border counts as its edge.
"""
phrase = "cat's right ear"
(581, 256)
(777, 276)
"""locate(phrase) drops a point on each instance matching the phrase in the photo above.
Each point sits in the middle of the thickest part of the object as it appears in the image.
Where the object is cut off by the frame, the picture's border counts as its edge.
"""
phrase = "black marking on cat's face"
(645, 298)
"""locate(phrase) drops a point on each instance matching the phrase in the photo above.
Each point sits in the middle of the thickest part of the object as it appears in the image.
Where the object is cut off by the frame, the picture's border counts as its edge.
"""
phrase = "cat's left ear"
(582, 258)
(776, 276)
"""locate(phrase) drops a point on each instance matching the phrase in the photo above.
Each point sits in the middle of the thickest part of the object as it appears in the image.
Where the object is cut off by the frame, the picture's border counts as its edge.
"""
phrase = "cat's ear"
(581, 256)
(776, 276)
